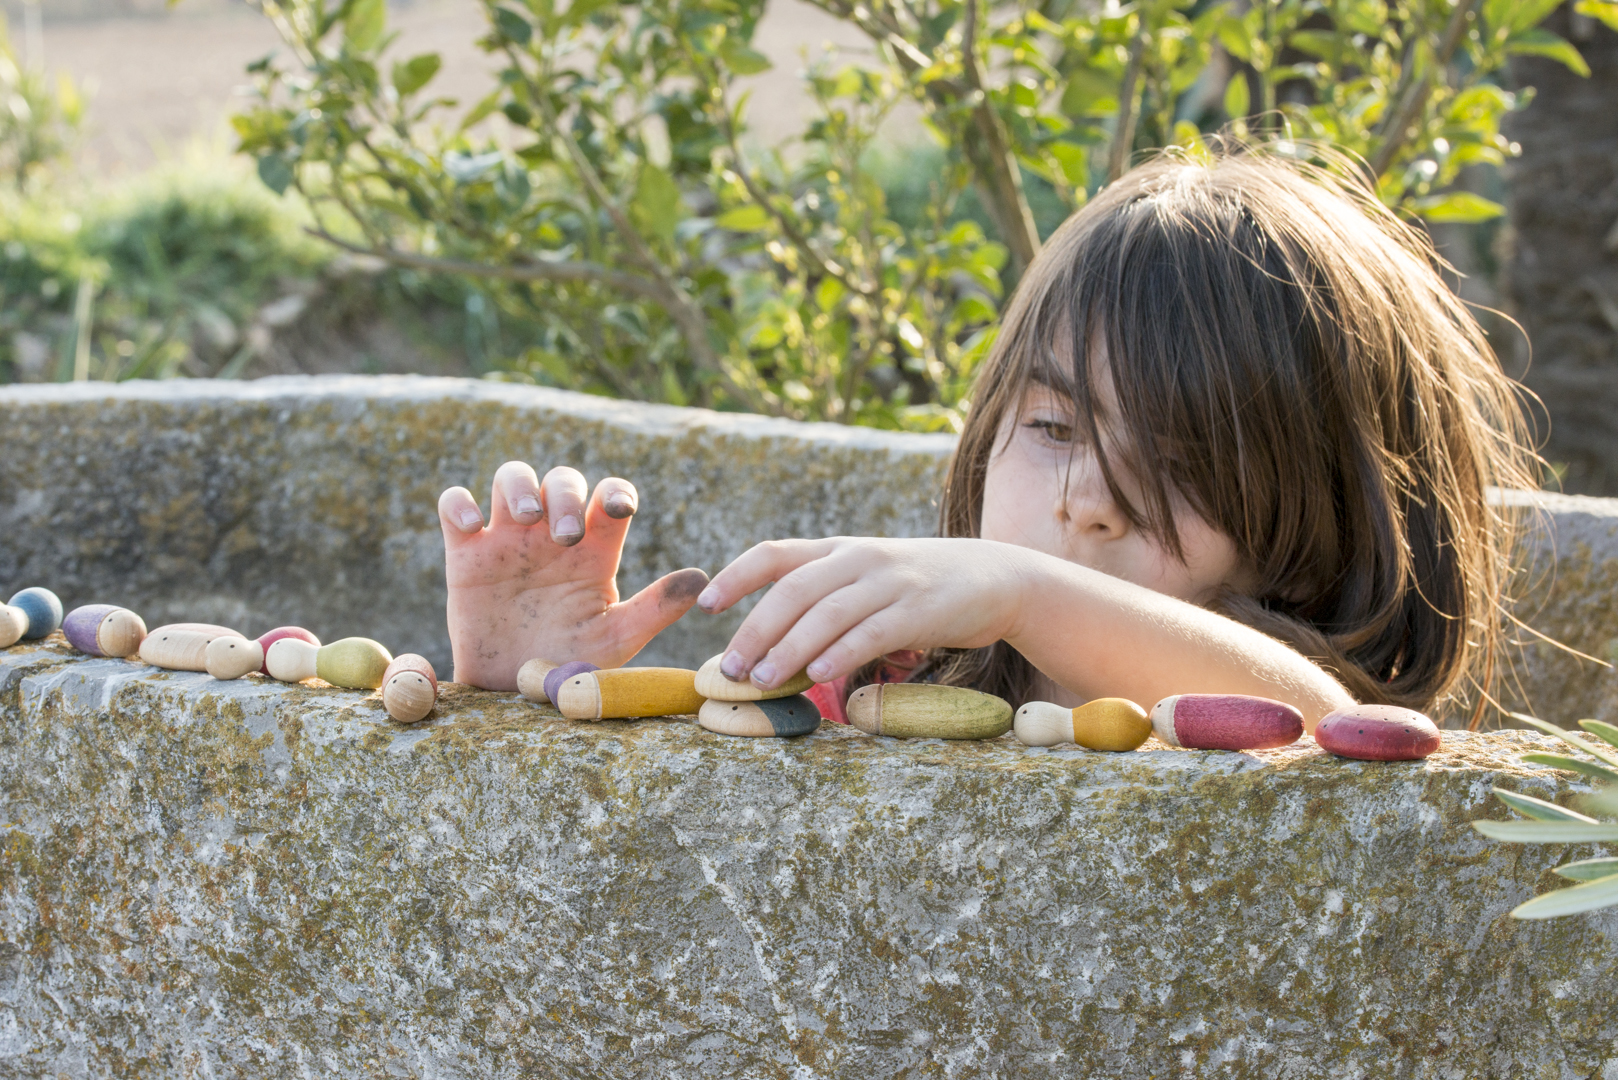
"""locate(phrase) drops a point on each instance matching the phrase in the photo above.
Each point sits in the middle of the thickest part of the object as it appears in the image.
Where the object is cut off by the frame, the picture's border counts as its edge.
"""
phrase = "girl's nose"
(1088, 510)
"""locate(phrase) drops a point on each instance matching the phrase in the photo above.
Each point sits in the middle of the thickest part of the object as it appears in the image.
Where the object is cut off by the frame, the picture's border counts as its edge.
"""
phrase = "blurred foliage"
(38, 121)
(1552, 824)
(152, 279)
(608, 192)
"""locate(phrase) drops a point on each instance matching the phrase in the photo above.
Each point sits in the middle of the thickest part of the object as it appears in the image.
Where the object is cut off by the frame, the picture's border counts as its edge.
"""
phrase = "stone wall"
(313, 501)
(244, 880)
(203, 879)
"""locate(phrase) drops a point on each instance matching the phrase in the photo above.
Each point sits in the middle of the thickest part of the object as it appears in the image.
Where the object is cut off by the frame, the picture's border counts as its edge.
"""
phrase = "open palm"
(539, 581)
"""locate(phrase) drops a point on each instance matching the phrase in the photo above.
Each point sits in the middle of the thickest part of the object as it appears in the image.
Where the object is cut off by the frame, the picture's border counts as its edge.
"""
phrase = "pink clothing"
(831, 697)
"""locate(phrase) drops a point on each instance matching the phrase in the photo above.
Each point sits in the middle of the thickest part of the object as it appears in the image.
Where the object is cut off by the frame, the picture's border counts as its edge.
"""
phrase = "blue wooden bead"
(43, 609)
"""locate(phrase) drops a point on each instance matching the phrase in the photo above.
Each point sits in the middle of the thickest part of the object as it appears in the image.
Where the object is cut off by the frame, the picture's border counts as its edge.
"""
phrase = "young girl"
(1234, 436)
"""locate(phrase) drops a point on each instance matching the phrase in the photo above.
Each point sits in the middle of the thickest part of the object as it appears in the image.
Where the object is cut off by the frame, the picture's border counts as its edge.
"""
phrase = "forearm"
(1099, 636)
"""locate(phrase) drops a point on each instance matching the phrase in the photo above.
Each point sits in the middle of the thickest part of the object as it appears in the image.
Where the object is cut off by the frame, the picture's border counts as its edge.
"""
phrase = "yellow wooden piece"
(531, 680)
(182, 646)
(233, 657)
(629, 693)
(356, 663)
(121, 633)
(927, 711)
(1111, 723)
(13, 624)
(712, 684)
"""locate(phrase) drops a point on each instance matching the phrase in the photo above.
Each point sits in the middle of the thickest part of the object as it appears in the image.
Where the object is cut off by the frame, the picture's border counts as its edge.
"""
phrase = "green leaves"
(1462, 206)
(657, 202)
(364, 24)
(1577, 900)
(512, 26)
(1539, 809)
(742, 59)
(1548, 832)
(276, 172)
(1545, 43)
(413, 74)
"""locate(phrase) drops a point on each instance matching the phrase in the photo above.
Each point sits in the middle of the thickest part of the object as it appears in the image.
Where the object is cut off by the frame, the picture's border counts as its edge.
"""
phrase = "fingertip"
(459, 510)
(618, 498)
(684, 586)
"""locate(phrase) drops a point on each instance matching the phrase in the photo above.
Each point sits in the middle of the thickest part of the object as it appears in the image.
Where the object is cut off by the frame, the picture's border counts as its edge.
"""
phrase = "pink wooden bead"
(1378, 733)
(1225, 722)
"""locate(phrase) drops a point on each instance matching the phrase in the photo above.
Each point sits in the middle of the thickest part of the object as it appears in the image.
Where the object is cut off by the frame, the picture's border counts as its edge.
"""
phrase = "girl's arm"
(838, 603)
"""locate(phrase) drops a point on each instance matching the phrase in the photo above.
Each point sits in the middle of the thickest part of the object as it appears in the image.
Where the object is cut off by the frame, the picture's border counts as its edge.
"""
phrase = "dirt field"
(162, 78)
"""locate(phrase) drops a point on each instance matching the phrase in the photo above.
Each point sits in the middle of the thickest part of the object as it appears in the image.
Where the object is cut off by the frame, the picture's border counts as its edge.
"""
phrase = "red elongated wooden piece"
(1225, 722)
(1378, 733)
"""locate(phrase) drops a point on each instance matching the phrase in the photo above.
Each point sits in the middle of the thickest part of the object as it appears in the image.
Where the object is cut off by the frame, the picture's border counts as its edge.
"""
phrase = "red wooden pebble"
(1225, 722)
(1378, 733)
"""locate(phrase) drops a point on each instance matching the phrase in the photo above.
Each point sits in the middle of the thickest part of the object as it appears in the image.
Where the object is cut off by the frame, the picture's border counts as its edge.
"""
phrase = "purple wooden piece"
(81, 625)
(558, 675)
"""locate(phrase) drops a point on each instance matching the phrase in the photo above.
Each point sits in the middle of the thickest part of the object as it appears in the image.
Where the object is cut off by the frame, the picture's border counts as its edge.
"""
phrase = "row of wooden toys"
(288, 653)
(581, 691)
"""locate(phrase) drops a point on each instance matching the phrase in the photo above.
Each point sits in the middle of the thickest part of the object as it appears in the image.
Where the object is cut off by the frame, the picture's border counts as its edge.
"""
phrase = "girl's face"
(1026, 502)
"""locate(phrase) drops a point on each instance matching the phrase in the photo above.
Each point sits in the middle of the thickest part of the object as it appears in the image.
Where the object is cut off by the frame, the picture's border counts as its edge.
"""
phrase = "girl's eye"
(1054, 430)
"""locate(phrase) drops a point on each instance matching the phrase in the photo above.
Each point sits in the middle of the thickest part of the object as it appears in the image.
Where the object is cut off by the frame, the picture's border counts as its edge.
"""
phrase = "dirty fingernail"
(619, 505)
(569, 529)
(527, 504)
(764, 673)
(709, 599)
(470, 520)
(733, 666)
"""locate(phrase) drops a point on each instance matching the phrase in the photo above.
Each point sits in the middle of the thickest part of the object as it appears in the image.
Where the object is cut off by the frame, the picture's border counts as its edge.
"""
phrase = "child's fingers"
(459, 515)
(515, 498)
(644, 615)
(606, 520)
(818, 587)
(563, 494)
(839, 626)
(757, 567)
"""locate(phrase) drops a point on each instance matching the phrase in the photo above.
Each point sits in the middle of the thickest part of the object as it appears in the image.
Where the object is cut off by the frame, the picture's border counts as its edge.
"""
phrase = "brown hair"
(1286, 358)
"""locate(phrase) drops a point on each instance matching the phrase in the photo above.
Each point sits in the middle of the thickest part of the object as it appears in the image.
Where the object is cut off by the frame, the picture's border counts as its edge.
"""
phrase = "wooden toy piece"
(1112, 724)
(354, 663)
(1377, 733)
(712, 684)
(927, 711)
(104, 630)
(1225, 722)
(409, 688)
(13, 624)
(291, 660)
(559, 675)
(629, 693)
(781, 718)
(531, 679)
(182, 646)
(43, 609)
(228, 658)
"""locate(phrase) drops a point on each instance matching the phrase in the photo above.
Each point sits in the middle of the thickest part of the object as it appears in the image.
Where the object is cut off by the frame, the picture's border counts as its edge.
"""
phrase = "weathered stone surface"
(313, 501)
(204, 879)
(1569, 605)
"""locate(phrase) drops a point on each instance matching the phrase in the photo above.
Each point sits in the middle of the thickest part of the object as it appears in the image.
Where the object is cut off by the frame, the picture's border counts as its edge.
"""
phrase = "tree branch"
(1123, 136)
(1414, 99)
(533, 270)
(1004, 178)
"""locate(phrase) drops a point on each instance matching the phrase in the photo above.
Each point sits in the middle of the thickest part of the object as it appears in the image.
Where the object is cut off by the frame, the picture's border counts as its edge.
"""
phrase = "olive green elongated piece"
(356, 663)
(926, 711)
(712, 684)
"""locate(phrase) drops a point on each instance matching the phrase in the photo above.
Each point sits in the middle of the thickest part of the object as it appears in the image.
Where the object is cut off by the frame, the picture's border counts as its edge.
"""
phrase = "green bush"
(607, 193)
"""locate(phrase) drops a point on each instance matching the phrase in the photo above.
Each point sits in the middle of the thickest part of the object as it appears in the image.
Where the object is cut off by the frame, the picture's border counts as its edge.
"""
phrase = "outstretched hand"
(540, 580)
